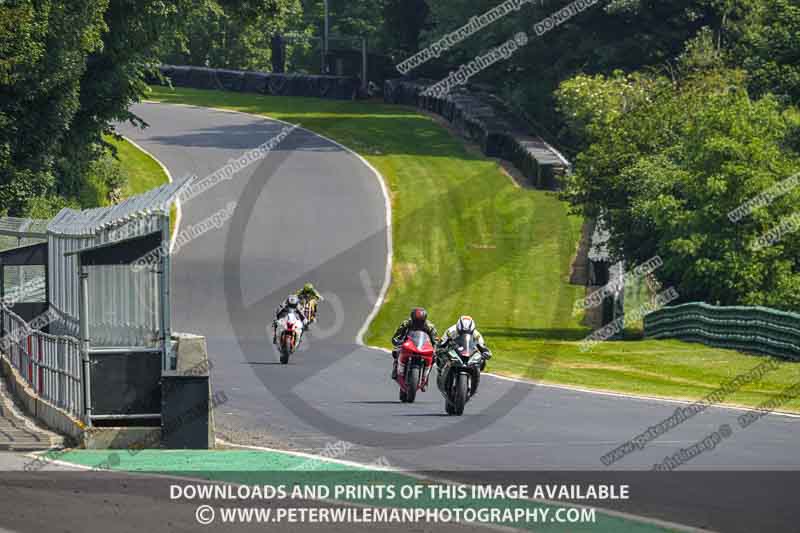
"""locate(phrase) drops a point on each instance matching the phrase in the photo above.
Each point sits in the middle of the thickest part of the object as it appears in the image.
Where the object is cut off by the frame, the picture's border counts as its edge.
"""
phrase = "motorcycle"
(460, 373)
(290, 330)
(416, 355)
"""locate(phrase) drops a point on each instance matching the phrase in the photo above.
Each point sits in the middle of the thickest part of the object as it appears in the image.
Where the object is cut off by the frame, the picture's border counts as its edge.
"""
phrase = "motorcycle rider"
(465, 324)
(308, 293)
(290, 305)
(417, 321)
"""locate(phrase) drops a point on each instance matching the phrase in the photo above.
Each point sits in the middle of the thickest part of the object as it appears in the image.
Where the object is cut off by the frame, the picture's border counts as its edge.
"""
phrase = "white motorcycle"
(290, 331)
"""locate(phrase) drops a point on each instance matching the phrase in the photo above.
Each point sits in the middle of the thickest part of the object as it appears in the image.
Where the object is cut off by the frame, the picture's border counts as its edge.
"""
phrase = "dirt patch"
(403, 272)
(659, 375)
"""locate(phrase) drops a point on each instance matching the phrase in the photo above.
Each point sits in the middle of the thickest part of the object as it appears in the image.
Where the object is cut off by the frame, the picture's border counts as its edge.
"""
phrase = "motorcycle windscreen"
(420, 340)
(465, 345)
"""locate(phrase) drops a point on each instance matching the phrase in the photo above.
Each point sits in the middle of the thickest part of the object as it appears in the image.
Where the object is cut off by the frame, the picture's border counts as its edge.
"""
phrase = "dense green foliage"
(43, 59)
(231, 33)
(68, 71)
(668, 159)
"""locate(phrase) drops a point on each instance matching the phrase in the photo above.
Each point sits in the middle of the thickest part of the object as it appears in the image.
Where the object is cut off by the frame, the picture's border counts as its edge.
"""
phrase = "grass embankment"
(467, 240)
(144, 172)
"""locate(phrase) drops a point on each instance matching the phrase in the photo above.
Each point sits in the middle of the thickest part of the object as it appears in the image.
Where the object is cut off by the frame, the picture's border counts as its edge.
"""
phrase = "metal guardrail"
(750, 329)
(50, 364)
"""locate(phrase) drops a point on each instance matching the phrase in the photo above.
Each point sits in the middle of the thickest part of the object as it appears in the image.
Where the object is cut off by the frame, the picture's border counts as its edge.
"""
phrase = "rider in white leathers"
(465, 324)
(291, 304)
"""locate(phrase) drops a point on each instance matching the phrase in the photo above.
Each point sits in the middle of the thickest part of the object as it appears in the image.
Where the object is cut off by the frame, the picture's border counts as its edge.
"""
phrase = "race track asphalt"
(313, 211)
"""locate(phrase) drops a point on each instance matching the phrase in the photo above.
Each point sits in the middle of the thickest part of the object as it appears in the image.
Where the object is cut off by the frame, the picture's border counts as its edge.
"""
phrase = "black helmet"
(418, 316)
(293, 301)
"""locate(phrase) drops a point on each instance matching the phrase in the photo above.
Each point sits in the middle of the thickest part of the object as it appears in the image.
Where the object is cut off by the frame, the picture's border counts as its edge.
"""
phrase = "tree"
(404, 22)
(44, 47)
(769, 48)
(668, 164)
(233, 34)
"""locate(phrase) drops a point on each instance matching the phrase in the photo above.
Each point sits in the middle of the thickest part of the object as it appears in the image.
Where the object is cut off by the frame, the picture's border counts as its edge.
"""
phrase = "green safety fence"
(749, 329)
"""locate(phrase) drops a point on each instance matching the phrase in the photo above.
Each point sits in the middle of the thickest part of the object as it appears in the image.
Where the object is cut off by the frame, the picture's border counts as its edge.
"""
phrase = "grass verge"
(144, 172)
(467, 240)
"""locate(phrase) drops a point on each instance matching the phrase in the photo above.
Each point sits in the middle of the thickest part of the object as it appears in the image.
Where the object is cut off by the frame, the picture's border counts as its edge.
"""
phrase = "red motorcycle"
(414, 364)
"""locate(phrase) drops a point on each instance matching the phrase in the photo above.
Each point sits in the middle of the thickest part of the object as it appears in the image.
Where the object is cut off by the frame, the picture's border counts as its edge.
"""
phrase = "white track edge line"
(171, 180)
(384, 191)
(635, 396)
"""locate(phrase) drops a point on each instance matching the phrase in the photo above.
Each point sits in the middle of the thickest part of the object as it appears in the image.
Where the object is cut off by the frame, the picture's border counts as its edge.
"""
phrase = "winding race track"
(311, 210)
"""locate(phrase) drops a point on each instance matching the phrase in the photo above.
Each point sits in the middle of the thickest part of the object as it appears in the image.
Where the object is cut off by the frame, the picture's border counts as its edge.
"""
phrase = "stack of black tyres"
(336, 87)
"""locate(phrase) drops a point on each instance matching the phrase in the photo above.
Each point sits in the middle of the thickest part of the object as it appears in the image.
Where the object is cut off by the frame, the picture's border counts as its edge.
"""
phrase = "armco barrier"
(749, 329)
(485, 119)
(336, 87)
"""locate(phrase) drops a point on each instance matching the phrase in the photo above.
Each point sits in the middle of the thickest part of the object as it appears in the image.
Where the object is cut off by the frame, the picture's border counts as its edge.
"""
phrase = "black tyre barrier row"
(336, 87)
(485, 119)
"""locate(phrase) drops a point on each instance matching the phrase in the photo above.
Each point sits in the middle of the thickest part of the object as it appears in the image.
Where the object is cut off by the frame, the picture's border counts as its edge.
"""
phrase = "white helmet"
(465, 324)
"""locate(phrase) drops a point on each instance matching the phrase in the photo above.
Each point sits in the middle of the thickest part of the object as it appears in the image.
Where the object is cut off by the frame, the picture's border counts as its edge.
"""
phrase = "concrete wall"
(51, 416)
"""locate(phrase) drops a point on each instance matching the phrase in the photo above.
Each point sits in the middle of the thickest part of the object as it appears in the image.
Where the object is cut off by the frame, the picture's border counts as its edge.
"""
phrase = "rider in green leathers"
(308, 292)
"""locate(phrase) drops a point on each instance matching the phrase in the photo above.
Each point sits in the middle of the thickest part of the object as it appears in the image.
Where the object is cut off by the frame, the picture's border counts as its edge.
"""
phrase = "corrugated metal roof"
(90, 221)
(23, 226)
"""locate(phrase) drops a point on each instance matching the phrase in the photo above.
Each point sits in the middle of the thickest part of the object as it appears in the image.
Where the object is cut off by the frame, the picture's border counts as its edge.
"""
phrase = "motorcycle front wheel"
(412, 382)
(285, 353)
(460, 394)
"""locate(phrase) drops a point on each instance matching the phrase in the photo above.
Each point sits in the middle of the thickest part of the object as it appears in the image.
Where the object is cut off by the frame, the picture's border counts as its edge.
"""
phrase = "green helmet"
(308, 287)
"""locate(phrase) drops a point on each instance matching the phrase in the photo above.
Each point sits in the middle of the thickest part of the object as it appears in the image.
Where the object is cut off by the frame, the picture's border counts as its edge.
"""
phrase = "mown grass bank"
(468, 240)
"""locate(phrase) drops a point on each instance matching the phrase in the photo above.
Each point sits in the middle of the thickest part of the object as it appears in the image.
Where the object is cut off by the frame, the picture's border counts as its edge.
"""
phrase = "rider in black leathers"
(418, 321)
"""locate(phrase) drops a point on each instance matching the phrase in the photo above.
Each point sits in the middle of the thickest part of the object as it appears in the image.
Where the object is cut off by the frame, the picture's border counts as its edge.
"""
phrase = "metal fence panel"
(49, 364)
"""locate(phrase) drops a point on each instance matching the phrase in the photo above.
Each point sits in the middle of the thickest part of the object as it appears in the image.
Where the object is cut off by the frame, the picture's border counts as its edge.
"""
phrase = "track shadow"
(426, 415)
(377, 402)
